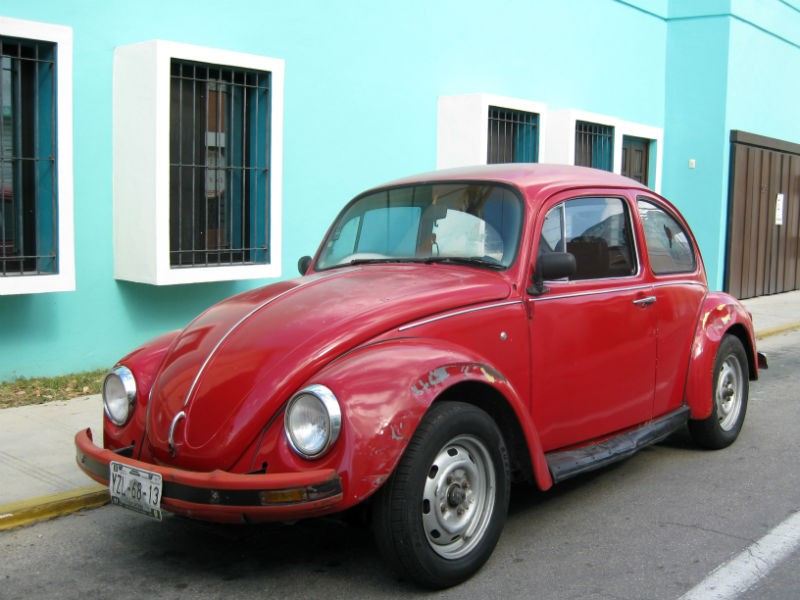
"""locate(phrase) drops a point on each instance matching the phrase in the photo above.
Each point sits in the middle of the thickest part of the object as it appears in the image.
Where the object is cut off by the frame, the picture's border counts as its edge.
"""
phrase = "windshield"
(473, 223)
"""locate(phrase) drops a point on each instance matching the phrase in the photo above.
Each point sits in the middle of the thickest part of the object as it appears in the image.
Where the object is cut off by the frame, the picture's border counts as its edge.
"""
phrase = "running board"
(564, 464)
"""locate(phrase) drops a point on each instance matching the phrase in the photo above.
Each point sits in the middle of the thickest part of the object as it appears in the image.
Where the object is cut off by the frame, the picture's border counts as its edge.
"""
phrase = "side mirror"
(551, 265)
(303, 263)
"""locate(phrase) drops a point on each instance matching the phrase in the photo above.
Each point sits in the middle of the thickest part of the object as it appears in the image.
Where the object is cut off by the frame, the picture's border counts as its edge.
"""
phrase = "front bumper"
(222, 496)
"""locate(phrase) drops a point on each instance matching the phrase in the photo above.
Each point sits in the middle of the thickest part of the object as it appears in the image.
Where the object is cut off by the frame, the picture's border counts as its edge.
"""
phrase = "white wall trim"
(462, 127)
(141, 105)
(64, 281)
(561, 141)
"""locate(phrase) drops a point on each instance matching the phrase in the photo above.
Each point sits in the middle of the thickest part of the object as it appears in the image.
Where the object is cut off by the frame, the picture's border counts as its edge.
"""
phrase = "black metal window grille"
(513, 136)
(219, 165)
(594, 145)
(28, 190)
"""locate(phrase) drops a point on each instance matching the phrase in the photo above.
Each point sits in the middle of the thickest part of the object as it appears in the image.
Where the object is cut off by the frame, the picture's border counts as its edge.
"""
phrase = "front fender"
(144, 363)
(385, 390)
(720, 314)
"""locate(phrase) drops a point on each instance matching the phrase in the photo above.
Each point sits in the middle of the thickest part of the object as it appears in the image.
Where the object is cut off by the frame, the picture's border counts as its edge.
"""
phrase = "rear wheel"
(438, 518)
(730, 390)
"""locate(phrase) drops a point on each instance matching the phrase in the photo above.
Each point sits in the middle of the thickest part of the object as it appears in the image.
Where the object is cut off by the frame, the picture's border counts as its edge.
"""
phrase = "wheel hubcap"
(458, 496)
(728, 395)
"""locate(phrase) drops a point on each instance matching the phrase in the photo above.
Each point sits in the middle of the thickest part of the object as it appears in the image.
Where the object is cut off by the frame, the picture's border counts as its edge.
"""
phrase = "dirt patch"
(38, 390)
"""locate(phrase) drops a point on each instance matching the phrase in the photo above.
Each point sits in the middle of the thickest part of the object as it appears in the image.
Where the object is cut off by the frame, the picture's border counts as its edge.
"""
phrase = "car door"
(593, 335)
(671, 256)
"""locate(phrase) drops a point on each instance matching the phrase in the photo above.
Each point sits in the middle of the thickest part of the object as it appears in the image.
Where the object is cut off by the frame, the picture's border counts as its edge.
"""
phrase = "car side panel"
(384, 389)
(720, 314)
(677, 307)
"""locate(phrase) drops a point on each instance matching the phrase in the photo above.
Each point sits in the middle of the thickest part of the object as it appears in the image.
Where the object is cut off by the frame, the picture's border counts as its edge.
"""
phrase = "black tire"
(465, 442)
(730, 388)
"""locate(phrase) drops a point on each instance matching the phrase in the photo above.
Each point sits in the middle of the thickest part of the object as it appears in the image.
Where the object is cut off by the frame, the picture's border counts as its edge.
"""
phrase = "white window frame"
(141, 122)
(462, 127)
(64, 280)
(561, 144)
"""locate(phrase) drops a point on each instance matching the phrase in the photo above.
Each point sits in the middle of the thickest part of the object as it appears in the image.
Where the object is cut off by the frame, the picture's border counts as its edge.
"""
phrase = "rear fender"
(720, 314)
(385, 389)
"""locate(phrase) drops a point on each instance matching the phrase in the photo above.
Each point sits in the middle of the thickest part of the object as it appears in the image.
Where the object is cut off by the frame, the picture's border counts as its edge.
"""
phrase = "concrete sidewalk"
(39, 478)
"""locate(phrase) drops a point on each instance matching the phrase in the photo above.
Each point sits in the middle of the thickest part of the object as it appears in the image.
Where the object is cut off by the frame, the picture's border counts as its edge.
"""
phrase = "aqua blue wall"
(362, 81)
(694, 128)
(731, 64)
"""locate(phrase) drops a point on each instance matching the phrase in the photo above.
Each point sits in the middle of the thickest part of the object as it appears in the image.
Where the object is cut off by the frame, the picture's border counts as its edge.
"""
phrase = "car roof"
(537, 180)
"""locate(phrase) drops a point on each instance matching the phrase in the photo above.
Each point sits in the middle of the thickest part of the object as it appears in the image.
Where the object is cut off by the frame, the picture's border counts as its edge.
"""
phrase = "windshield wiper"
(367, 261)
(475, 261)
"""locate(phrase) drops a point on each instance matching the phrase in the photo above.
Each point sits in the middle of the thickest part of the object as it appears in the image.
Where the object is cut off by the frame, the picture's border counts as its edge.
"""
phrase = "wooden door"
(763, 256)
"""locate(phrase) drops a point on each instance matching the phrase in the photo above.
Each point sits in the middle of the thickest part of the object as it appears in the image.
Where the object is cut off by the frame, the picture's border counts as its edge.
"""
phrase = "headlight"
(312, 421)
(119, 395)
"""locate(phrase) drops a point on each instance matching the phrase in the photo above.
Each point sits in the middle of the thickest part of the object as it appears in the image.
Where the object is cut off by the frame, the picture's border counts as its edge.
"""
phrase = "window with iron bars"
(513, 136)
(219, 165)
(594, 145)
(28, 190)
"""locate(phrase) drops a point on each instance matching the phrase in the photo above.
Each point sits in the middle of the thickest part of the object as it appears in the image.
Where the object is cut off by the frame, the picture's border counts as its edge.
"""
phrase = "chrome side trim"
(235, 326)
(630, 288)
(457, 313)
(678, 282)
(172, 426)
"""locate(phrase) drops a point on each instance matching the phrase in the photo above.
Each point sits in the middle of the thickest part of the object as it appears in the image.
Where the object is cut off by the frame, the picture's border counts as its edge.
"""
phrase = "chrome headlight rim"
(128, 381)
(330, 403)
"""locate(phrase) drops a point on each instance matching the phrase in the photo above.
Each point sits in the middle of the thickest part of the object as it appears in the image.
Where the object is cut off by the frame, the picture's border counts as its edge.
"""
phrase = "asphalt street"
(651, 527)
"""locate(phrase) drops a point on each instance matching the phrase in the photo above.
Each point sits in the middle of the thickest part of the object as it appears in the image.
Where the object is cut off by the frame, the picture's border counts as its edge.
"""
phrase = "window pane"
(668, 245)
(513, 136)
(390, 231)
(594, 145)
(219, 165)
(599, 236)
(461, 220)
(28, 191)
(552, 239)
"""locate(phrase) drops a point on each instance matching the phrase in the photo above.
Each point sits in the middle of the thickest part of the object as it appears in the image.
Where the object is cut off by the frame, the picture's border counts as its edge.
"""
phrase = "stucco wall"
(362, 82)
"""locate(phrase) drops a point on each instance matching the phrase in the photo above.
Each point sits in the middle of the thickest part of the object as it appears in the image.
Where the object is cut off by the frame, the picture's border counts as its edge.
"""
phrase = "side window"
(668, 245)
(552, 239)
(597, 232)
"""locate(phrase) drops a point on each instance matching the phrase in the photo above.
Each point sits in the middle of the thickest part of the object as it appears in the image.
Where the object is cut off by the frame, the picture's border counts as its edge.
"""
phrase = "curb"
(765, 333)
(27, 512)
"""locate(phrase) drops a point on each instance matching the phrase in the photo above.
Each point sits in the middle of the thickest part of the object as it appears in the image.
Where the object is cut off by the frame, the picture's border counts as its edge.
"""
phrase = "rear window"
(668, 245)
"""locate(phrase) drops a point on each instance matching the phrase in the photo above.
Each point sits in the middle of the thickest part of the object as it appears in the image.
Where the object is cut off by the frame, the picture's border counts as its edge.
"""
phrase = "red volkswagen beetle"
(456, 331)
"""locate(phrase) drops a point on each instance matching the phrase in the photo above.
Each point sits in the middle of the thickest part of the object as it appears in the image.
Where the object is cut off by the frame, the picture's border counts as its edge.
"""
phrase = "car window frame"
(696, 257)
(515, 190)
(562, 200)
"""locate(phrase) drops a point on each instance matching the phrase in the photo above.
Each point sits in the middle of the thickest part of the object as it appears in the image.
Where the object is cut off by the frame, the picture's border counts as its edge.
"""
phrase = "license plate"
(135, 489)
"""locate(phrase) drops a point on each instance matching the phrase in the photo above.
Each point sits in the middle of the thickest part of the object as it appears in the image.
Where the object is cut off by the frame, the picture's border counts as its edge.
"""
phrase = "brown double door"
(763, 256)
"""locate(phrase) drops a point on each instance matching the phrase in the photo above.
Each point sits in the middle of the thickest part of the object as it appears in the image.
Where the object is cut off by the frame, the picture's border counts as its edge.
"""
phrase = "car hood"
(232, 368)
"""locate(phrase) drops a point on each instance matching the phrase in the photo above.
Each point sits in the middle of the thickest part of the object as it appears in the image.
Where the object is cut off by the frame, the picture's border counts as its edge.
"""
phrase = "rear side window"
(668, 245)
(597, 231)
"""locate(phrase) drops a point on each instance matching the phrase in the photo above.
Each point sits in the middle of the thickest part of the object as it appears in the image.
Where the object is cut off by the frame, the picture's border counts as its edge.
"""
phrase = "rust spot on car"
(396, 431)
(433, 378)
(441, 374)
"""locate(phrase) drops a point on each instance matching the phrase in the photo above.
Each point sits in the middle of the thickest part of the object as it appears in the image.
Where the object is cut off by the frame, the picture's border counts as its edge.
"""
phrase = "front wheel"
(730, 389)
(438, 518)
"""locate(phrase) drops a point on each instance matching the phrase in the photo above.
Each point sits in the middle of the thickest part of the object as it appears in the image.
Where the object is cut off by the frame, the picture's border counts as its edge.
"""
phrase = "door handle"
(646, 301)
